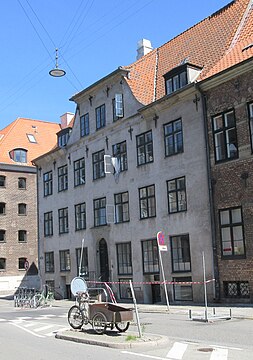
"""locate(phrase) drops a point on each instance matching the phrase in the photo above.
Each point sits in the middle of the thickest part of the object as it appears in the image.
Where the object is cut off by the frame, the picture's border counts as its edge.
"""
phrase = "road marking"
(227, 347)
(177, 351)
(3, 320)
(45, 327)
(29, 331)
(24, 317)
(29, 325)
(219, 354)
(48, 316)
(143, 355)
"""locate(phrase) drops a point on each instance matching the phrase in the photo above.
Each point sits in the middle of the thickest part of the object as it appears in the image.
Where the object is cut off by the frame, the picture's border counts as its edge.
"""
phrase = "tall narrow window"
(250, 109)
(176, 195)
(98, 164)
(181, 259)
(48, 223)
(22, 183)
(232, 234)
(49, 262)
(80, 216)
(120, 152)
(2, 236)
(147, 202)
(84, 125)
(124, 258)
(64, 260)
(2, 181)
(22, 263)
(225, 137)
(150, 260)
(22, 209)
(100, 212)
(173, 137)
(48, 183)
(2, 208)
(63, 178)
(22, 235)
(79, 172)
(82, 268)
(144, 144)
(63, 221)
(2, 264)
(118, 108)
(100, 117)
(121, 202)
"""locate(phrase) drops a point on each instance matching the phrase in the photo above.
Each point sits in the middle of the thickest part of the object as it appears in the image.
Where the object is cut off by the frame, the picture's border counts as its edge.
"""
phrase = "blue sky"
(94, 37)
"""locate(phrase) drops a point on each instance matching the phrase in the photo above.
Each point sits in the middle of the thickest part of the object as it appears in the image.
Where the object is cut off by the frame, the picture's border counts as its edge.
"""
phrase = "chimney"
(143, 47)
(65, 119)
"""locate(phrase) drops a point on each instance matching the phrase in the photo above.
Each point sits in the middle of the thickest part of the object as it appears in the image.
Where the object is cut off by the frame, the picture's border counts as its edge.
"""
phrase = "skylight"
(31, 138)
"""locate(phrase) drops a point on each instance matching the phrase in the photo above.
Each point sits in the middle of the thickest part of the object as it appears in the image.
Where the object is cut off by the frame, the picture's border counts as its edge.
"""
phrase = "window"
(100, 212)
(147, 202)
(100, 117)
(82, 270)
(84, 125)
(31, 138)
(80, 216)
(121, 201)
(173, 137)
(124, 288)
(2, 235)
(120, 152)
(150, 257)
(49, 262)
(236, 289)
(63, 137)
(22, 183)
(182, 292)
(64, 260)
(2, 181)
(63, 221)
(79, 172)
(180, 253)
(98, 164)
(176, 81)
(22, 209)
(48, 183)
(144, 144)
(250, 110)
(22, 263)
(2, 264)
(22, 235)
(63, 178)
(117, 106)
(232, 238)
(48, 223)
(124, 258)
(225, 138)
(19, 155)
(2, 208)
(176, 195)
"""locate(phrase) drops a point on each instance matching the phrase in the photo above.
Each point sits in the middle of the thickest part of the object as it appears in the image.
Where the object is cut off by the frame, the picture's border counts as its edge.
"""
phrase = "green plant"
(131, 337)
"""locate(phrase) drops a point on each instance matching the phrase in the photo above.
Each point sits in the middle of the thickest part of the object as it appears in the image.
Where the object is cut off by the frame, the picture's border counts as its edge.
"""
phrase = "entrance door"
(103, 257)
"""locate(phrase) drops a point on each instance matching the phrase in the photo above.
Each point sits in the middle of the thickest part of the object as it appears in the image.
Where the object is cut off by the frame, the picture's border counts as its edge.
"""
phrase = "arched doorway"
(103, 258)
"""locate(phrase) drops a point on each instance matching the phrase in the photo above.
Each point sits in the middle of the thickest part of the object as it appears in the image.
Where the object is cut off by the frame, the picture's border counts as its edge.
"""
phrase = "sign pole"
(136, 309)
(204, 275)
(160, 243)
(81, 258)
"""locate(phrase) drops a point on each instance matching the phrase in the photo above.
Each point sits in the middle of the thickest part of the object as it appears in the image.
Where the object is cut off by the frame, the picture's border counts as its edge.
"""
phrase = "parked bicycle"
(46, 297)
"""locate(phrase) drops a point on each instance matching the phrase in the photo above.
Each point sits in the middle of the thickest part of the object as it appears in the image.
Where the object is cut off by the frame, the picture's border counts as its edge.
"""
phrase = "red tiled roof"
(15, 136)
(204, 45)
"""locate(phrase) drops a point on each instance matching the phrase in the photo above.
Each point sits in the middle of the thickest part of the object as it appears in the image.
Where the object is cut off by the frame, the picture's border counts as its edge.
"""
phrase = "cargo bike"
(100, 315)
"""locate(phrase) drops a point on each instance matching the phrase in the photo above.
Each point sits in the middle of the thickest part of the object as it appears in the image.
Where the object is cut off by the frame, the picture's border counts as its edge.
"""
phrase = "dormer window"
(19, 155)
(63, 137)
(180, 76)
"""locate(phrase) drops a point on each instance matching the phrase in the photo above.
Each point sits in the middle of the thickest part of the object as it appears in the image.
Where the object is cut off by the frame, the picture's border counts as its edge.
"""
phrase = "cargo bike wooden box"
(100, 315)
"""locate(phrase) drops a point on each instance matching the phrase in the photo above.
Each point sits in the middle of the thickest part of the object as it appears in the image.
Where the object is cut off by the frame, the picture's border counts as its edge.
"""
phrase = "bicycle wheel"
(122, 326)
(99, 323)
(75, 317)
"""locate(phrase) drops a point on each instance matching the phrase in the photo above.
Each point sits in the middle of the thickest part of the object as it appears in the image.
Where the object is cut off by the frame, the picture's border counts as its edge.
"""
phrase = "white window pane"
(224, 217)
(236, 216)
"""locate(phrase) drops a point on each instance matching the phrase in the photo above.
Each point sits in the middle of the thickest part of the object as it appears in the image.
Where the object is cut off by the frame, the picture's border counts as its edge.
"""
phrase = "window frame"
(250, 116)
(63, 220)
(119, 151)
(2, 207)
(98, 165)
(176, 74)
(2, 236)
(22, 263)
(100, 117)
(48, 183)
(152, 264)
(231, 225)
(99, 206)
(121, 204)
(2, 261)
(118, 107)
(238, 289)
(79, 172)
(84, 125)
(24, 211)
(85, 263)
(22, 181)
(177, 145)
(63, 178)
(19, 154)
(178, 252)
(178, 190)
(65, 260)
(147, 199)
(182, 279)
(142, 148)
(224, 131)
(80, 216)
(22, 236)
(49, 261)
(48, 224)
(124, 258)
(2, 181)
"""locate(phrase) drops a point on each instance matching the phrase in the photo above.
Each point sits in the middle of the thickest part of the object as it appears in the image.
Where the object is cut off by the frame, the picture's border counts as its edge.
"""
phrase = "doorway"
(103, 259)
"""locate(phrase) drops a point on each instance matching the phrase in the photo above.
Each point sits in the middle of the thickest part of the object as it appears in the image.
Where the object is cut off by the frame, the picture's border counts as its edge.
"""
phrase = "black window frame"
(22, 183)
(100, 117)
(124, 258)
(80, 216)
(98, 165)
(237, 289)
(63, 178)
(144, 148)
(2, 181)
(22, 209)
(146, 198)
(180, 253)
(224, 130)
(176, 194)
(120, 114)
(119, 151)
(22, 263)
(65, 260)
(48, 224)
(84, 270)
(19, 154)
(22, 236)
(121, 207)
(99, 205)
(174, 74)
(150, 261)
(231, 225)
(48, 183)
(183, 280)
(2, 208)
(250, 115)
(49, 261)
(79, 172)
(84, 125)
(63, 220)
(173, 137)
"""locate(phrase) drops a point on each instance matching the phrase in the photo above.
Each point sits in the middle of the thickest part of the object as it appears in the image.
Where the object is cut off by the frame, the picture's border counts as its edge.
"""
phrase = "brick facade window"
(2, 181)
(22, 235)
(2, 264)
(22, 183)
(2, 235)
(22, 209)
(236, 289)
(2, 208)
(21, 263)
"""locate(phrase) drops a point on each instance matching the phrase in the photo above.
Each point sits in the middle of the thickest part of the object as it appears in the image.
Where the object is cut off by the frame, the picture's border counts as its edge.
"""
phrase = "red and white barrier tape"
(154, 282)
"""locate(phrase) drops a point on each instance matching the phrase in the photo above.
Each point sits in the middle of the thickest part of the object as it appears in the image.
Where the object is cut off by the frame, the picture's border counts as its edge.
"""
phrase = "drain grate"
(208, 349)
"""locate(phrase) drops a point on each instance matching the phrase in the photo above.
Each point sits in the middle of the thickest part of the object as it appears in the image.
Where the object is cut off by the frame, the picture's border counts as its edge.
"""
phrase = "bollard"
(213, 311)
(190, 314)
(230, 313)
